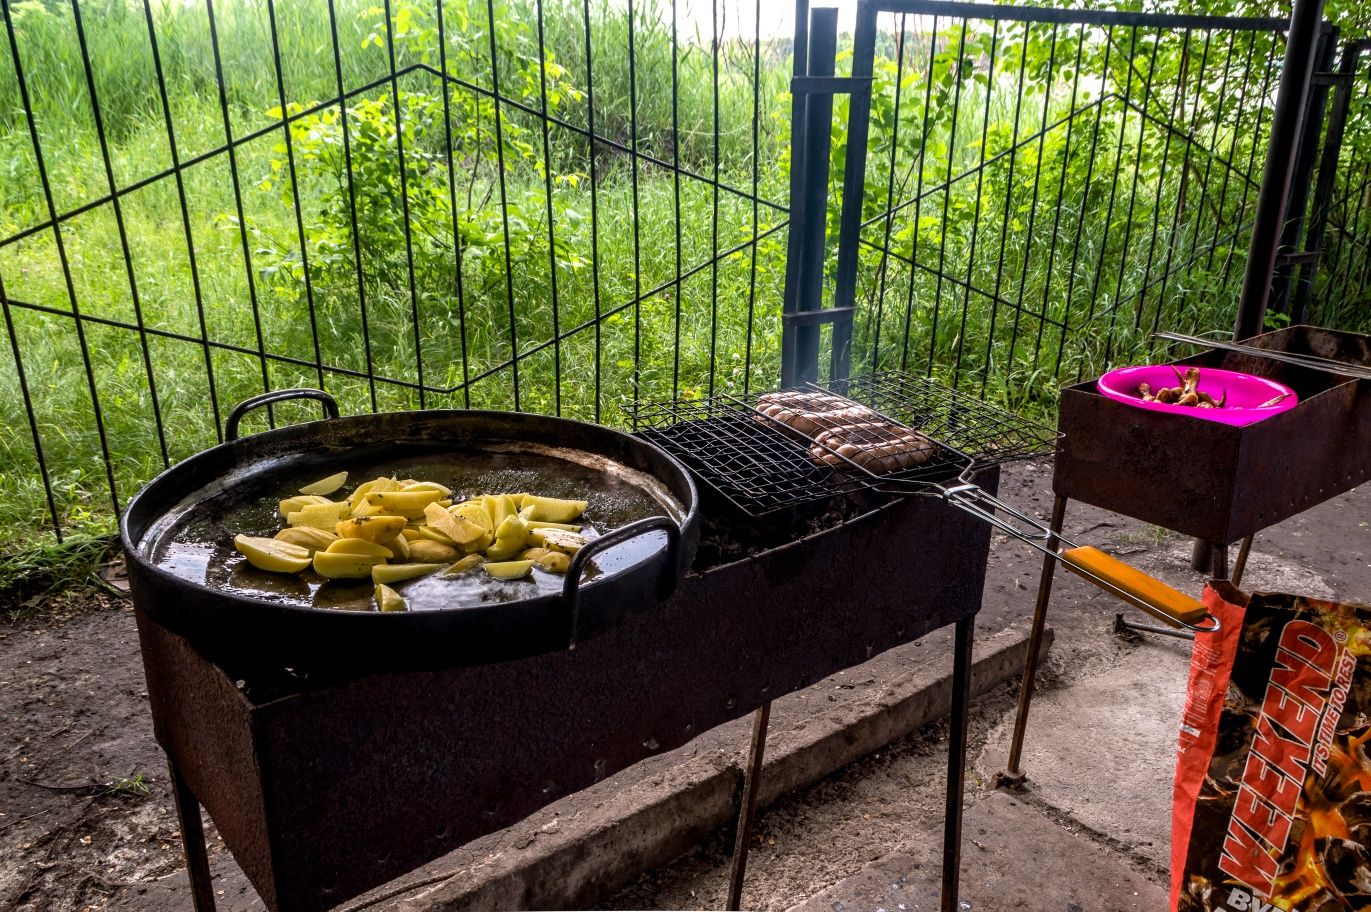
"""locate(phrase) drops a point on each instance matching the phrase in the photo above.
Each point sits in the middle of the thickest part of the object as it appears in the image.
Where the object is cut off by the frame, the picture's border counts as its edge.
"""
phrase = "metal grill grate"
(987, 434)
(761, 465)
(944, 462)
(755, 468)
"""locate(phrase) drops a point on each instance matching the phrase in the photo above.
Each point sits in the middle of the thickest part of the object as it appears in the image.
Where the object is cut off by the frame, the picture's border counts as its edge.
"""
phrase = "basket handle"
(1135, 587)
(666, 585)
(1127, 583)
(241, 409)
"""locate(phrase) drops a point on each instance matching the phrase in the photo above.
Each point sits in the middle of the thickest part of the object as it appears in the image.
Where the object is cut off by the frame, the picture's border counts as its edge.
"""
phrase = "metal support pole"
(1296, 74)
(1302, 175)
(1240, 564)
(809, 201)
(192, 841)
(747, 809)
(1328, 172)
(1218, 562)
(854, 188)
(1012, 775)
(956, 763)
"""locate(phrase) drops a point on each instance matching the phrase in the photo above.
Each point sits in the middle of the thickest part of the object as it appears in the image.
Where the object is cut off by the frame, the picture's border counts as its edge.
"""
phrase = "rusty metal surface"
(204, 724)
(366, 779)
(1212, 481)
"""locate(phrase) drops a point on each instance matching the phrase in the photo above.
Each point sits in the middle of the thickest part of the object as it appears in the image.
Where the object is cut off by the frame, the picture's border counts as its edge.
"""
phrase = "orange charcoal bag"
(1272, 807)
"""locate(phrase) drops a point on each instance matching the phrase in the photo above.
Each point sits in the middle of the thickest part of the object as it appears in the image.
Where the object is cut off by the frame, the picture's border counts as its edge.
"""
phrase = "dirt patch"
(84, 809)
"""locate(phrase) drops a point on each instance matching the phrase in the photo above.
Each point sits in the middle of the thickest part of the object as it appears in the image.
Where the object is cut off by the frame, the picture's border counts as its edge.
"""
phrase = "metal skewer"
(967, 495)
(1312, 362)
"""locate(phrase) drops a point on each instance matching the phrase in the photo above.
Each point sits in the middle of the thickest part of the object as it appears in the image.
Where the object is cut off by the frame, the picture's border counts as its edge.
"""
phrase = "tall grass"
(1030, 232)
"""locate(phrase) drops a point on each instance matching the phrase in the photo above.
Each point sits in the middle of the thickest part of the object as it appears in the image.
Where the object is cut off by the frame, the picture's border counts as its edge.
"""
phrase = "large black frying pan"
(185, 575)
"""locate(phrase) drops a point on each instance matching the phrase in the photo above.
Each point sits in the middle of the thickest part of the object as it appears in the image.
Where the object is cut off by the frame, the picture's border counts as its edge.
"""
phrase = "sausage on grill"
(877, 446)
(810, 413)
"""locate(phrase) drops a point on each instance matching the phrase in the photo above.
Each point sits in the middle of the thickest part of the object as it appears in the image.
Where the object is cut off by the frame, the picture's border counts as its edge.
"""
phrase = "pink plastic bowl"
(1245, 393)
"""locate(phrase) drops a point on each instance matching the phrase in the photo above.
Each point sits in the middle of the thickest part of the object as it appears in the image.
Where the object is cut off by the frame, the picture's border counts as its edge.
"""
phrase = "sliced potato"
(272, 554)
(342, 565)
(324, 516)
(561, 527)
(307, 537)
(432, 552)
(399, 546)
(395, 573)
(371, 528)
(458, 529)
(365, 507)
(474, 511)
(326, 485)
(360, 547)
(500, 506)
(557, 540)
(409, 504)
(410, 533)
(509, 570)
(299, 502)
(470, 562)
(360, 492)
(427, 486)
(551, 561)
(510, 538)
(388, 599)
(553, 509)
(431, 534)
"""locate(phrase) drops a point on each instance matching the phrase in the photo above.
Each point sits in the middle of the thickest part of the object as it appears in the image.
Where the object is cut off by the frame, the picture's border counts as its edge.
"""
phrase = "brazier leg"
(1012, 775)
(1218, 562)
(193, 841)
(956, 763)
(747, 811)
(1240, 563)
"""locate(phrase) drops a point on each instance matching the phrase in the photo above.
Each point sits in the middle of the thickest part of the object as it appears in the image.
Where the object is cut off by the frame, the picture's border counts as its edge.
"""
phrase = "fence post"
(1301, 42)
(1328, 172)
(1303, 174)
(811, 144)
(854, 187)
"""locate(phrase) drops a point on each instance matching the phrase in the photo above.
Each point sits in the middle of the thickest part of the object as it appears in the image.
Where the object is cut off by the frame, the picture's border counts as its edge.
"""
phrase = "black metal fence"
(1335, 290)
(564, 207)
(1043, 189)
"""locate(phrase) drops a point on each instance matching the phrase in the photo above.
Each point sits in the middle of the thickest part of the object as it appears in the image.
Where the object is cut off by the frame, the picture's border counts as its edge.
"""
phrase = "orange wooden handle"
(1145, 589)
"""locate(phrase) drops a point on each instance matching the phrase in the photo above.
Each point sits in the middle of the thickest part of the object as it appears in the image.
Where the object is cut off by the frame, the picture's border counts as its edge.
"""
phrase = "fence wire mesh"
(567, 206)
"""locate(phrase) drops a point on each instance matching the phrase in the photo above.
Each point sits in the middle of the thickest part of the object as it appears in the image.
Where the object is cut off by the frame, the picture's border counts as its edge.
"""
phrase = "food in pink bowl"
(1228, 397)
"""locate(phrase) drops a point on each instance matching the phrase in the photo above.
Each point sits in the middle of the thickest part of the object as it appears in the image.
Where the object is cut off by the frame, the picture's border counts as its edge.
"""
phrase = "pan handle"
(247, 405)
(666, 585)
(1127, 583)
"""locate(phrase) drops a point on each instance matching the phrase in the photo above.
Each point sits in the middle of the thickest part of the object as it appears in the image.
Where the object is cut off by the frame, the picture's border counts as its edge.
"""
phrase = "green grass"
(1081, 240)
(33, 569)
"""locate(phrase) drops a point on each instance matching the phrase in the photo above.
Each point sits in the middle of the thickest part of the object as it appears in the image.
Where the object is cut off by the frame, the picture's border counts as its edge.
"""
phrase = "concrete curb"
(585, 847)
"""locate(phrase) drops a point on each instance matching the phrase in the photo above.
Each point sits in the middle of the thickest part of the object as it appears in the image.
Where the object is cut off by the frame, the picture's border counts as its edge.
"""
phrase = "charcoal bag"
(1273, 785)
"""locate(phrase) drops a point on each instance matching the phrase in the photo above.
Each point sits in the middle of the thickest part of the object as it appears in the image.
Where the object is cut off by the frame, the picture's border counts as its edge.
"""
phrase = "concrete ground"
(1091, 830)
(1013, 858)
(854, 779)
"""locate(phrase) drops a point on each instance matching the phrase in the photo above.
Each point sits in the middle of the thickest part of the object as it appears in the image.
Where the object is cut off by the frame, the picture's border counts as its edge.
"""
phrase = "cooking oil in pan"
(199, 545)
